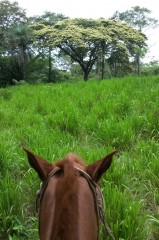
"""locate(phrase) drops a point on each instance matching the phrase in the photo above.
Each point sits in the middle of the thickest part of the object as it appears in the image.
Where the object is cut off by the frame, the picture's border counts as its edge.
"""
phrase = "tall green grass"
(89, 119)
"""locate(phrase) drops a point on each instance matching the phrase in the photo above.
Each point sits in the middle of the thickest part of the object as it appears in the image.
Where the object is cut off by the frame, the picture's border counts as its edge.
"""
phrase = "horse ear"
(41, 166)
(98, 168)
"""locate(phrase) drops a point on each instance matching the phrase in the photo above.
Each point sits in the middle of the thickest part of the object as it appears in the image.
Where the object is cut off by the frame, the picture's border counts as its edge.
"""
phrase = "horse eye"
(59, 173)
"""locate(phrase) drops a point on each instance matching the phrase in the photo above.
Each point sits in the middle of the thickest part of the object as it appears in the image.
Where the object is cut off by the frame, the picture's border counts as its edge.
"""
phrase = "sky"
(96, 9)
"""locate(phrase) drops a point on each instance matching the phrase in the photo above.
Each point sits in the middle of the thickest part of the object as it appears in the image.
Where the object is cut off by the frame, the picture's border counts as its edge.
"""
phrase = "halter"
(97, 194)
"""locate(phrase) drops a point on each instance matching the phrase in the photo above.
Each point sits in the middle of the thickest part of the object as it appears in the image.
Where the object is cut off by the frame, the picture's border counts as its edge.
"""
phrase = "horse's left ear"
(41, 166)
(98, 168)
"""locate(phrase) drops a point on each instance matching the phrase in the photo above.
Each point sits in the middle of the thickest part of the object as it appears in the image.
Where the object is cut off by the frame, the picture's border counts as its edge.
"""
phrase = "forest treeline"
(55, 48)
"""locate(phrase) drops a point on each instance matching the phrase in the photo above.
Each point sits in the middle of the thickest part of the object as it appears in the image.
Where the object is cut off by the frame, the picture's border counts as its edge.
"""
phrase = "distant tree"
(151, 68)
(19, 41)
(119, 61)
(11, 17)
(84, 39)
(10, 14)
(9, 69)
(137, 17)
(47, 19)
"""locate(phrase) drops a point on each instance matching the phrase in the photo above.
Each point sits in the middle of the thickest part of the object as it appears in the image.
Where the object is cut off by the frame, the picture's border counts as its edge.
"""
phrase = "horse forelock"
(71, 161)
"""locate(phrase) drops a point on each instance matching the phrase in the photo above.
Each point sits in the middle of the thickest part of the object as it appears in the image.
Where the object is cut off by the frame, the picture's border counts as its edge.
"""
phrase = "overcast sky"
(96, 9)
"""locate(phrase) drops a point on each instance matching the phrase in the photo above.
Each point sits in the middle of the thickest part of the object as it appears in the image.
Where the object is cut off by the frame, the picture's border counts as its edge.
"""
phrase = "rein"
(99, 202)
(98, 197)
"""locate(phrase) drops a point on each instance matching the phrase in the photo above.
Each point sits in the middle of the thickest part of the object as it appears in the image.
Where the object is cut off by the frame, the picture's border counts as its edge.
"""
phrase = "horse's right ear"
(98, 168)
(41, 166)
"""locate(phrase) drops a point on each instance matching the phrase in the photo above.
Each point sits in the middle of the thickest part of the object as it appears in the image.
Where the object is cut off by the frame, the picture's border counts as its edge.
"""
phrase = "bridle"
(41, 191)
(96, 191)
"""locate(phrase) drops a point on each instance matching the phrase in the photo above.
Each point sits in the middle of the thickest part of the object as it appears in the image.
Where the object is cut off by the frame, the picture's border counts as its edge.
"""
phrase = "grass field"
(90, 119)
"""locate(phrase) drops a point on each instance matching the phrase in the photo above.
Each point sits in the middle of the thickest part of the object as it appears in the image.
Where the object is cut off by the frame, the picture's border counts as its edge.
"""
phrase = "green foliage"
(9, 70)
(88, 119)
(137, 17)
(149, 69)
(119, 61)
(10, 14)
(83, 39)
(101, 46)
(41, 45)
(15, 39)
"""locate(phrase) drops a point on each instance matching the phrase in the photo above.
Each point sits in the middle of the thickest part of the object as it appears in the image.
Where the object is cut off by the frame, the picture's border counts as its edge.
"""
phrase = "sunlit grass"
(89, 119)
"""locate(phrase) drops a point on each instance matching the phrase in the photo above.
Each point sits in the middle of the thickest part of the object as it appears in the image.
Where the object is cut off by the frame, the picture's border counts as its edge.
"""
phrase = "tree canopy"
(83, 39)
(137, 17)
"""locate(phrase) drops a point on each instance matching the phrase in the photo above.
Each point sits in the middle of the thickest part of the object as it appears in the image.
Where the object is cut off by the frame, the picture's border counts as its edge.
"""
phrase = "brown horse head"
(67, 202)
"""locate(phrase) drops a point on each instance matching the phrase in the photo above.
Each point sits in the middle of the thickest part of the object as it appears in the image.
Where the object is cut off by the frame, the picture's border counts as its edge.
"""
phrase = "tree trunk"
(102, 73)
(138, 65)
(85, 75)
(103, 61)
(115, 69)
(50, 65)
(21, 60)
